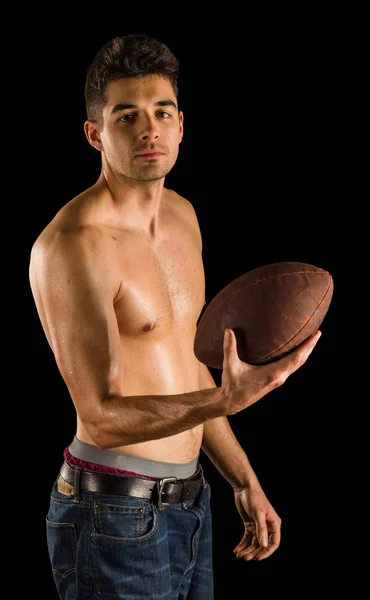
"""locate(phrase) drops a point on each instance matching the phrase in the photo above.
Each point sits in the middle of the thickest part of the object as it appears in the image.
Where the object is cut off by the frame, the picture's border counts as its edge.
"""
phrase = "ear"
(181, 121)
(92, 133)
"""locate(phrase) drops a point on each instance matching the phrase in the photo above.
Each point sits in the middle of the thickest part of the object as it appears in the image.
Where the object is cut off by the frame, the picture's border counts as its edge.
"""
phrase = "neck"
(136, 203)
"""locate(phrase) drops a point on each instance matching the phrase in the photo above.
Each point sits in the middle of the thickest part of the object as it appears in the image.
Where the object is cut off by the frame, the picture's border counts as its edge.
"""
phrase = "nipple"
(149, 326)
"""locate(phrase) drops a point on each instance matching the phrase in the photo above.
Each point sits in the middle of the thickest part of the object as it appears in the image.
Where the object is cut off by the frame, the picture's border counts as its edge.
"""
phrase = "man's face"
(142, 127)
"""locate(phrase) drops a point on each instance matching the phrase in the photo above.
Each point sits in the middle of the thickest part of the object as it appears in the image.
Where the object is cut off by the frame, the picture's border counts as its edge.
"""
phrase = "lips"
(150, 154)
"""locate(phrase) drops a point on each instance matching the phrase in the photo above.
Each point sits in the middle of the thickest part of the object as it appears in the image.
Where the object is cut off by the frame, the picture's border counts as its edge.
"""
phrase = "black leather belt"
(168, 490)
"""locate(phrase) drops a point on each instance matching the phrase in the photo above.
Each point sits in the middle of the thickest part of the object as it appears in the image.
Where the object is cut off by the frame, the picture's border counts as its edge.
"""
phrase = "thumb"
(262, 533)
(230, 348)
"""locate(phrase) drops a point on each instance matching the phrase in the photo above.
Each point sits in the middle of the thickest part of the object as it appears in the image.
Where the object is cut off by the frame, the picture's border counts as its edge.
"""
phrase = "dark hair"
(126, 56)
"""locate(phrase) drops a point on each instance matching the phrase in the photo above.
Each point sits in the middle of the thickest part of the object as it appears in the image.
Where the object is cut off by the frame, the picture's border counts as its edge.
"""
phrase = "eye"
(163, 114)
(127, 118)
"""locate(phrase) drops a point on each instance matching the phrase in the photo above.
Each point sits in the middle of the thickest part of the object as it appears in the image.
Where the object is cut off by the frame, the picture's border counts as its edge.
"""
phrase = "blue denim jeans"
(124, 548)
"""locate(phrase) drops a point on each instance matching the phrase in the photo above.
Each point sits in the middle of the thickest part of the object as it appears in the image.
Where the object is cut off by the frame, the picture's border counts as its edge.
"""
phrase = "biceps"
(86, 342)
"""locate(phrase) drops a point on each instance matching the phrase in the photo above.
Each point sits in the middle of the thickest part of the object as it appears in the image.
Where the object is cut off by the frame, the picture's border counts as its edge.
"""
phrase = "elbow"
(100, 439)
(99, 436)
(102, 433)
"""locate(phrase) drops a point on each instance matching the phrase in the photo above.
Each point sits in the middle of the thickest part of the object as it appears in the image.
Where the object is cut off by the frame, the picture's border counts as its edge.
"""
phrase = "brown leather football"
(271, 309)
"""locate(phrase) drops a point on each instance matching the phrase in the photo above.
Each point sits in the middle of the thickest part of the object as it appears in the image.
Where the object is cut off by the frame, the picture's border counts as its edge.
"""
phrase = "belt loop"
(77, 483)
(202, 473)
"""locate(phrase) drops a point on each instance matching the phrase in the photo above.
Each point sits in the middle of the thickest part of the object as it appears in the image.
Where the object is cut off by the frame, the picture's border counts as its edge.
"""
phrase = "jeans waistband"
(166, 490)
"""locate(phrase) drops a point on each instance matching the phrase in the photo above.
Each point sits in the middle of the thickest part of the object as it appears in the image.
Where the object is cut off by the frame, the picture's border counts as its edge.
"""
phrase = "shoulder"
(68, 240)
(72, 261)
(182, 216)
(182, 206)
(61, 238)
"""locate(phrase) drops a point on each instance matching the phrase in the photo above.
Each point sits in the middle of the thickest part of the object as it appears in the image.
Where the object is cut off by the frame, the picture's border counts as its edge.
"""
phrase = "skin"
(118, 281)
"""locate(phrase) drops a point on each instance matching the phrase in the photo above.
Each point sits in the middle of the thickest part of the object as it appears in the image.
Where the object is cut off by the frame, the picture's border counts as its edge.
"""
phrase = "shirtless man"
(119, 285)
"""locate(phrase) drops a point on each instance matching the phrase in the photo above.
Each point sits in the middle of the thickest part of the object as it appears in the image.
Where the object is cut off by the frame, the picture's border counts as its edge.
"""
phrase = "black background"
(258, 164)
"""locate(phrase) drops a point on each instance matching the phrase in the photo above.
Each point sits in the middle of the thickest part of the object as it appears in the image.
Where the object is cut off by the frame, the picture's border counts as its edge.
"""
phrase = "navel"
(149, 326)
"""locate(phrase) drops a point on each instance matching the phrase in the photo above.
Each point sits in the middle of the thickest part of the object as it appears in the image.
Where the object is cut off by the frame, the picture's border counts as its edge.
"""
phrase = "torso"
(161, 295)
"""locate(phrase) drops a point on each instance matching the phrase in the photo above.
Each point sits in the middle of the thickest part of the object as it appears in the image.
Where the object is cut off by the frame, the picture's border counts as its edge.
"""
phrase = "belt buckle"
(160, 484)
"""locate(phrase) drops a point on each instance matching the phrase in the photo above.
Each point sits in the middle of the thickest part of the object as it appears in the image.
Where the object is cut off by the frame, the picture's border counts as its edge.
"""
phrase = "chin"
(152, 175)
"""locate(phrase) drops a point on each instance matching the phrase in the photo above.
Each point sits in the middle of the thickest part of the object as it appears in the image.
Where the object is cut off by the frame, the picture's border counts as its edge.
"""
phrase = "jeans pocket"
(129, 520)
(62, 547)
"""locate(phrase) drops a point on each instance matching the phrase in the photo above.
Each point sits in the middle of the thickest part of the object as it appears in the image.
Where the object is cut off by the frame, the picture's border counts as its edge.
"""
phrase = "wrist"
(245, 481)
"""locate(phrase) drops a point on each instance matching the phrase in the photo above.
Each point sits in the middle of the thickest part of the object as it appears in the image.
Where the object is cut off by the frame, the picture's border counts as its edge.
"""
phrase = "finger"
(244, 543)
(230, 345)
(261, 529)
(249, 537)
(249, 554)
(255, 552)
(308, 345)
(265, 552)
(275, 535)
(262, 535)
(274, 538)
(267, 534)
(297, 357)
(251, 551)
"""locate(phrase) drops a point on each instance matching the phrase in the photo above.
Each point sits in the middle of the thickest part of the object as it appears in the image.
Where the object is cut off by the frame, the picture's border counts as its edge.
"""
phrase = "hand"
(262, 524)
(243, 384)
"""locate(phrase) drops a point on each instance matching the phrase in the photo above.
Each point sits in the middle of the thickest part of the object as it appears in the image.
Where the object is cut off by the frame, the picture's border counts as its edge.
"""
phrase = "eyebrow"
(126, 105)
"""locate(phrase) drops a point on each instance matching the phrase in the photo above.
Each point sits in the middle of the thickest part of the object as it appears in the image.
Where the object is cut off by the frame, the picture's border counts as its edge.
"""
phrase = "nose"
(149, 130)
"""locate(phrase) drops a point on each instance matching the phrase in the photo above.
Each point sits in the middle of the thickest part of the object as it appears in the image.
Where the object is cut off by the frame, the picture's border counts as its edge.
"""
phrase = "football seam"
(305, 325)
(205, 321)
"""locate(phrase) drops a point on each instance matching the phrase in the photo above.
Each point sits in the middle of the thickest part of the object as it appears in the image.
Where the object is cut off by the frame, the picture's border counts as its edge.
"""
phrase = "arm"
(74, 285)
(262, 525)
(222, 447)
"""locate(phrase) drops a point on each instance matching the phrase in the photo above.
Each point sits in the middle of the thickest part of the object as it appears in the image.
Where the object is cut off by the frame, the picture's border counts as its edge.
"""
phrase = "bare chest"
(162, 286)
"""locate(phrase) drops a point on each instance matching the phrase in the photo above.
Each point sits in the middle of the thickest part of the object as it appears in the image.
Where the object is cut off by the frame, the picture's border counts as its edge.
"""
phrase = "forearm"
(134, 419)
(222, 447)
(226, 453)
